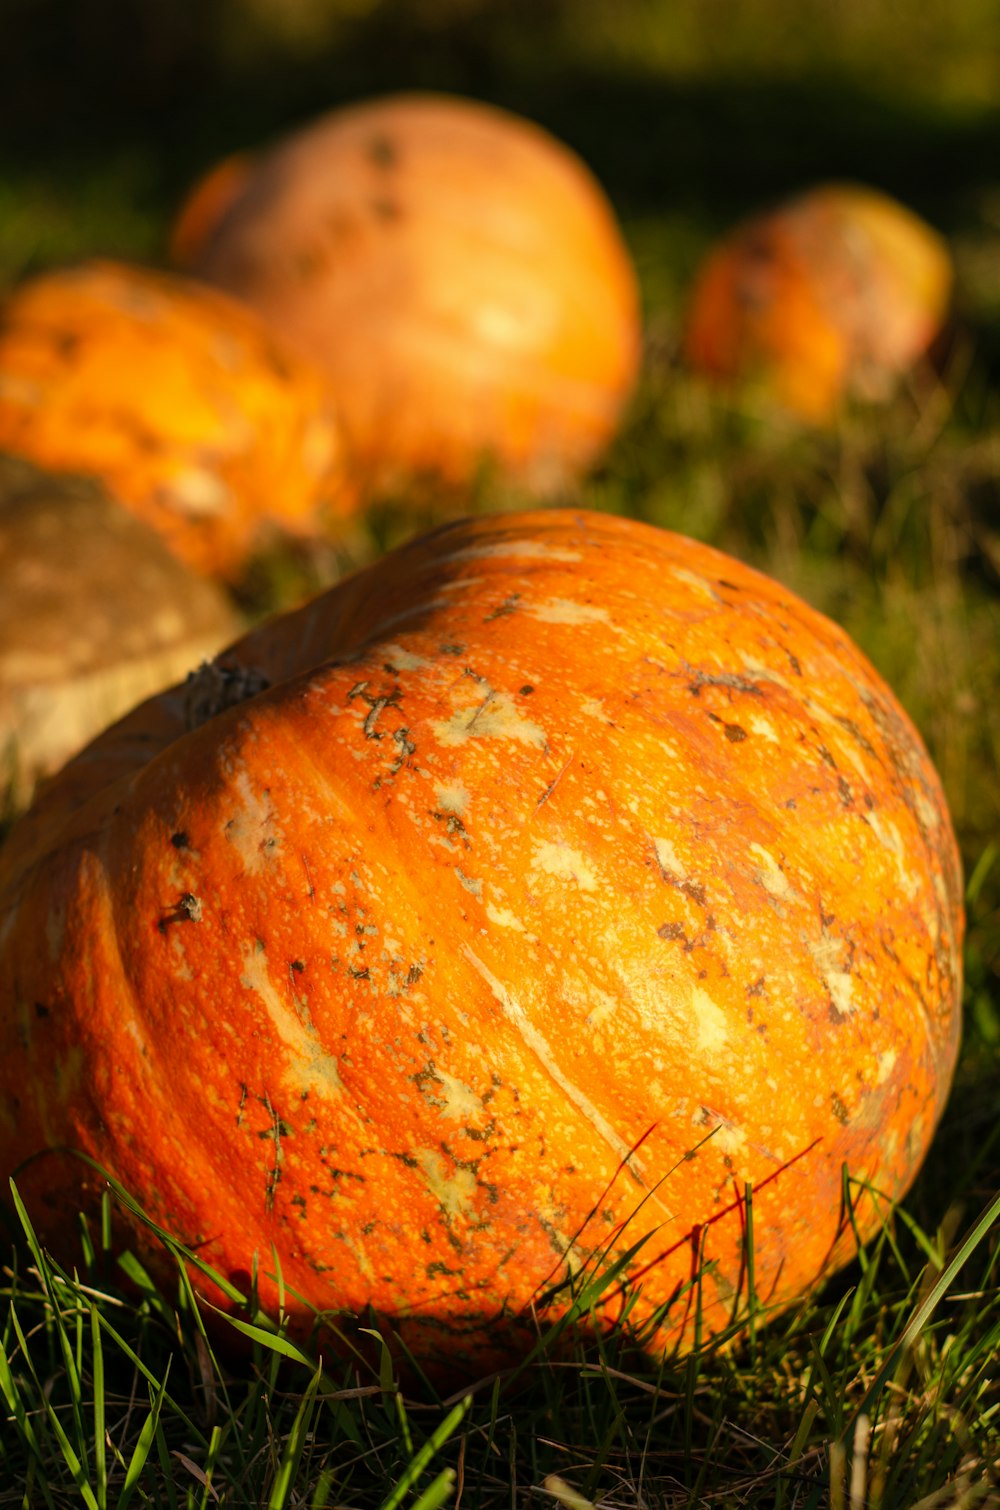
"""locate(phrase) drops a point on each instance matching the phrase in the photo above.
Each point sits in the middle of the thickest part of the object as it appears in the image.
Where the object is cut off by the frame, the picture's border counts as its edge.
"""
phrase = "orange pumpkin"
(179, 398)
(460, 276)
(95, 615)
(833, 295)
(531, 892)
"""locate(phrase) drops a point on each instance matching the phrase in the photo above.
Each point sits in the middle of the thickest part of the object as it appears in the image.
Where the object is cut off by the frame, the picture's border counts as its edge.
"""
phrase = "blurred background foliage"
(690, 110)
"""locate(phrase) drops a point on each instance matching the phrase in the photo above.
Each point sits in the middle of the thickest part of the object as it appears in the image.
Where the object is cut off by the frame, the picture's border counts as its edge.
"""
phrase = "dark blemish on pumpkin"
(217, 686)
(277, 1129)
(406, 748)
(452, 649)
(179, 840)
(382, 151)
(432, 1270)
(727, 679)
(187, 909)
(526, 690)
(869, 801)
(757, 988)
(41, 1010)
(547, 793)
(733, 732)
(732, 586)
(670, 931)
(826, 757)
(452, 822)
(509, 605)
(355, 974)
(298, 965)
(387, 209)
(846, 795)
(851, 728)
(371, 718)
(839, 1109)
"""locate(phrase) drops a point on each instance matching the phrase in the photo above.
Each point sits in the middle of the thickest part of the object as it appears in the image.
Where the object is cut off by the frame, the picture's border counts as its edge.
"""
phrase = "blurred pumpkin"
(529, 894)
(95, 616)
(833, 295)
(457, 271)
(179, 398)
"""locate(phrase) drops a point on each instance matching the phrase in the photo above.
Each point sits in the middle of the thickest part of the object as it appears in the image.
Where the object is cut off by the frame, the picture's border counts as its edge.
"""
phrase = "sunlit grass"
(881, 1393)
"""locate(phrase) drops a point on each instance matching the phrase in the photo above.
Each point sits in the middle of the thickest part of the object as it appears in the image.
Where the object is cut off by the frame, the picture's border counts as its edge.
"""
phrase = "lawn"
(882, 1389)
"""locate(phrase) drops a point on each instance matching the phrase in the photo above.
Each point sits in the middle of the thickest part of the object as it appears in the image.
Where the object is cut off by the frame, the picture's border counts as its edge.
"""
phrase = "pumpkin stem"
(216, 686)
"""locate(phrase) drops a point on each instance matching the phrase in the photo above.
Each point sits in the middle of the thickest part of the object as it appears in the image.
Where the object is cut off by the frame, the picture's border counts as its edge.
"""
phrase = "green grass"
(883, 1395)
(882, 1390)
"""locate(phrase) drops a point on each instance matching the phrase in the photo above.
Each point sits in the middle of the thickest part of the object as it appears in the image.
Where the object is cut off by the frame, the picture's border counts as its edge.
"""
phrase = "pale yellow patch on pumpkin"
(764, 727)
(566, 611)
(669, 860)
(503, 917)
(697, 583)
(605, 1005)
(566, 864)
(525, 550)
(495, 717)
(309, 1068)
(451, 797)
(828, 954)
(252, 831)
(710, 1023)
(454, 1189)
(455, 1100)
(886, 1065)
(403, 659)
(889, 837)
(771, 876)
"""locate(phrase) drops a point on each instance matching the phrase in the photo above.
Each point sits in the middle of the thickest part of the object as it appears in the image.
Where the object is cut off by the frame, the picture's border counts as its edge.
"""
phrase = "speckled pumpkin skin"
(833, 295)
(457, 272)
(191, 411)
(569, 876)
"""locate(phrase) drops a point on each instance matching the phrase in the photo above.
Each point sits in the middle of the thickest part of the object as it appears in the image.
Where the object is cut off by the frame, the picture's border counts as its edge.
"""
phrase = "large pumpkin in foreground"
(831, 296)
(458, 273)
(180, 399)
(532, 891)
(95, 616)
